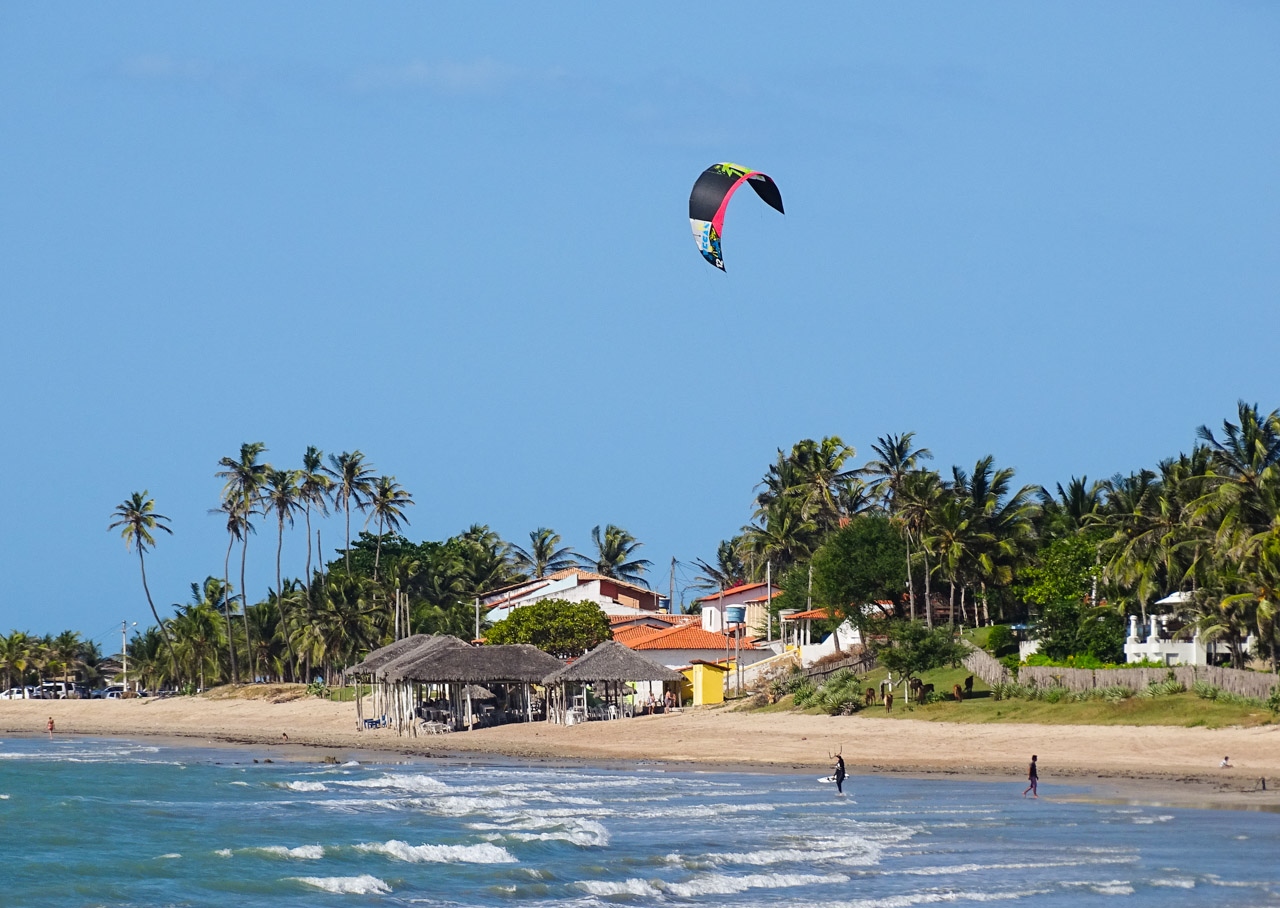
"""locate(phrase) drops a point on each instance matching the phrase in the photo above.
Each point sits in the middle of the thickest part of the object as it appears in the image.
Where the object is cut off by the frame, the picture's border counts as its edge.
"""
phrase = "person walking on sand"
(839, 775)
(50, 726)
(1033, 776)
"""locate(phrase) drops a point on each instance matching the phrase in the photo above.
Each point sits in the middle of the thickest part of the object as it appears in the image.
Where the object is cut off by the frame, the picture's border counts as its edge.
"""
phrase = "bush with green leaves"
(841, 694)
(804, 693)
(1000, 641)
(1162, 688)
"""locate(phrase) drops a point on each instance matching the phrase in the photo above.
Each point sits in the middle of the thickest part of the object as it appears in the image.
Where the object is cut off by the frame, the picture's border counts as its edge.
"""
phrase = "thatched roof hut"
(410, 664)
(385, 654)
(463, 664)
(611, 661)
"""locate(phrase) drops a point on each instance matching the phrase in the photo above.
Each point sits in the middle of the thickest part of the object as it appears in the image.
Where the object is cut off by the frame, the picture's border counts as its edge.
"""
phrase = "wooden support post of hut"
(611, 665)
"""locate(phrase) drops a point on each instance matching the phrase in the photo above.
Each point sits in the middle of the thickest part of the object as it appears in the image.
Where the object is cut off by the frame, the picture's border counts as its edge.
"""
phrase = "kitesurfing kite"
(710, 198)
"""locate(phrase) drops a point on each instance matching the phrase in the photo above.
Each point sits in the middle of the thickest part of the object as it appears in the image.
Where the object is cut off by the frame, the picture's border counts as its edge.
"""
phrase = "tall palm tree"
(352, 483)
(614, 555)
(918, 497)
(242, 487)
(280, 496)
(137, 518)
(314, 486)
(65, 649)
(1003, 519)
(387, 501)
(15, 650)
(545, 555)
(237, 526)
(888, 471)
(728, 570)
(783, 535)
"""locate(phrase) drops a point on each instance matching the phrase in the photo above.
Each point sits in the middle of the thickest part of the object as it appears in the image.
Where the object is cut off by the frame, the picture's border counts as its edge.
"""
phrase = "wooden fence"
(988, 669)
(859, 663)
(1257, 685)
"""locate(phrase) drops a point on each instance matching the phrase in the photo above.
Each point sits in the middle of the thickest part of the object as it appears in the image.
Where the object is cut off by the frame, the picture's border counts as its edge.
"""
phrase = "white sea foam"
(947, 870)
(349, 885)
(4, 797)
(171, 856)
(482, 853)
(1175, 883)
(306, 786)
(1147, 821)
(700, 811)
(1104, 887)
(223, 852)
(351, 763)
(415, 782)
(626, 887)
(723, 884)
(307, 852)
(575, 830)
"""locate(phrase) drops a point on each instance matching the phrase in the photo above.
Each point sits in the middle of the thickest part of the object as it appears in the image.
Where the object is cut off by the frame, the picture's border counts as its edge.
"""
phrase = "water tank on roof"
(735, 614)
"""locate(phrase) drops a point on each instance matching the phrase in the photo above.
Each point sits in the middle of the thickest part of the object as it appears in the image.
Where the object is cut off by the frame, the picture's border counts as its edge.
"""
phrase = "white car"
(22, 693)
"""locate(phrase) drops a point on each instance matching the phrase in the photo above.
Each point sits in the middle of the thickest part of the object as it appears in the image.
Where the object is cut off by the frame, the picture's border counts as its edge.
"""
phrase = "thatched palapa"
(384, 654)
(463, 664)
(611, 661)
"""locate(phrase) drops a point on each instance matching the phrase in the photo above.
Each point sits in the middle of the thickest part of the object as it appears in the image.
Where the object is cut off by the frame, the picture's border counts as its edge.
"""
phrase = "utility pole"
(124, 653)
(477, 618)
(671, 590)
(768, 599)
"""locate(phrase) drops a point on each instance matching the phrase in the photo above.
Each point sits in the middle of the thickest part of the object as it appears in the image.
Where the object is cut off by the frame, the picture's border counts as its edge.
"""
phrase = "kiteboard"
(827, 779)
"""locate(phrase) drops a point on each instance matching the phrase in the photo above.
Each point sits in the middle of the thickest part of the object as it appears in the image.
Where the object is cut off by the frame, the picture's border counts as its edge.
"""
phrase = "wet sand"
(1149, 764)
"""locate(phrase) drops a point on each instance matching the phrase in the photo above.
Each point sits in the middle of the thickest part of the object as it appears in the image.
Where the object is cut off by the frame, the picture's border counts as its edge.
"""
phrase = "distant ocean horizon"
(123, 822)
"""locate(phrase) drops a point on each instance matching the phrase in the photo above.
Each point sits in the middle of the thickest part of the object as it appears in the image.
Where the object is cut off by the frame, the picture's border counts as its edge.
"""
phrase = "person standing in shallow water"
(1033, 777)
(839, 774)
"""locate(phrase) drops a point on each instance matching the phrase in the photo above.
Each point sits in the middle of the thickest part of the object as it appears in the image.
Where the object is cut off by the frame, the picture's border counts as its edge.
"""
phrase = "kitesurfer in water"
(839, 774)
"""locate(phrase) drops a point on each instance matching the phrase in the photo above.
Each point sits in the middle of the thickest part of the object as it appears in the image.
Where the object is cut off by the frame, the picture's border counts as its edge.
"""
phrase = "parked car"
(110, 692)
(64, 690)
(22, 693)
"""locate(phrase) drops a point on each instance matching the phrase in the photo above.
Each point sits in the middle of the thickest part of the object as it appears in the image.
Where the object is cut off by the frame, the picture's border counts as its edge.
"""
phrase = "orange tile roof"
(628, 636)
(740, 588)
(664, 617)
(690, 636)
(560, 575)
(812, 613)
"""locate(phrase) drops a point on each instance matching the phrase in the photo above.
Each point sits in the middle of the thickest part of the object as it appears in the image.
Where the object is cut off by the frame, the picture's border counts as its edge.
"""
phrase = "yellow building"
(707, 681)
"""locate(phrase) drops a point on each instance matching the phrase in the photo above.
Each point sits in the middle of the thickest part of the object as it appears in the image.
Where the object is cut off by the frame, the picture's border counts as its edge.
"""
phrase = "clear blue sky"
(455, 237)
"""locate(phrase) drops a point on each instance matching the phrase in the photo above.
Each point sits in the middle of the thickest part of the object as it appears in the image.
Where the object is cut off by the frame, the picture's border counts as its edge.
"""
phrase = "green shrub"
(1273, 702)
(1162, 688)
(1115, 693)
(1205, 691)
(804, 693)
(1000, 641)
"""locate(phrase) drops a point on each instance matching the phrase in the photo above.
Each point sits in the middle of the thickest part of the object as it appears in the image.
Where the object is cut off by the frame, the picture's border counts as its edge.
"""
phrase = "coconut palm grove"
(834, 527)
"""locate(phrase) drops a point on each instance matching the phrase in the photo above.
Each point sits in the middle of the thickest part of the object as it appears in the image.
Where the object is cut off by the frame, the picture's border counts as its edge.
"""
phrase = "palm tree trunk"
(244, 599)
(164, 631)
(226, 610)
(911, 585)
(928, 602)
(346, 506)
(964, 615)
(377, 552)
(284, 614)
(308, 515)
(951, 603)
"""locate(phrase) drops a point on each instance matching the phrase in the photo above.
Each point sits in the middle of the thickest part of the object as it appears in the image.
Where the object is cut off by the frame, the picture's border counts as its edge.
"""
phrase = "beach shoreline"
(1149, 765)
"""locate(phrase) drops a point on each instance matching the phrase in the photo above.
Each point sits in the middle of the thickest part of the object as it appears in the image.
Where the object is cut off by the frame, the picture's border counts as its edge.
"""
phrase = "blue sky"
(455, 237)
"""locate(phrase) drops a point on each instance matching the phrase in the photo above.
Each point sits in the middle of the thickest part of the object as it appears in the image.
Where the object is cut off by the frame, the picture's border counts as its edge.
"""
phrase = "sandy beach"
(1152, 764)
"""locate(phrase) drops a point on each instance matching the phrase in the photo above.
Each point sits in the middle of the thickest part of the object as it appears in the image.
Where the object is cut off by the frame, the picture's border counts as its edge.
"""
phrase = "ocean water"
(88, 822)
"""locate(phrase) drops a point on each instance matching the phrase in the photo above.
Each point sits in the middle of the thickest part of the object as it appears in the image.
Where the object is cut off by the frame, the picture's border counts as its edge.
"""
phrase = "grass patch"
(272, 693)
(1185, 710)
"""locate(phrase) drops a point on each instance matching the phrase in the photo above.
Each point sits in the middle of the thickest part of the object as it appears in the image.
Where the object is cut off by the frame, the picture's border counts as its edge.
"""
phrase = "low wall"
(1242, 683)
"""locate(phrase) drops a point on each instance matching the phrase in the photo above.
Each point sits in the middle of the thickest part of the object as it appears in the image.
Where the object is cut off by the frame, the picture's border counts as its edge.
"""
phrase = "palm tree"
(237, 525)
(197, 630)
(15, 650)
(137, 518)
(545, 555)
(783, 535)
(387, 501)
(313, 490)
(65, 649)
(727, 572)
(897, 458)
(352, 483)
(281, 497)
(243, 485)
(1003, 520)
(918, 497)
(615, 548)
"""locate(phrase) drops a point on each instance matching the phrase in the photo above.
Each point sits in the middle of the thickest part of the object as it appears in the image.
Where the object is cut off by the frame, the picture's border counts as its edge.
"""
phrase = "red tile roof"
(629, 636)
(740, 588)
(690, 636)
(818, 613)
